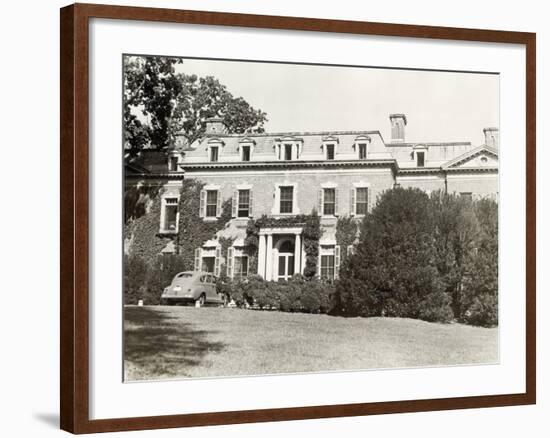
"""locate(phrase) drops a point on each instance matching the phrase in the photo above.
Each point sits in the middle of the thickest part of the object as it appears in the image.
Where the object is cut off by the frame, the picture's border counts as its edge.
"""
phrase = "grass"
(171, 342)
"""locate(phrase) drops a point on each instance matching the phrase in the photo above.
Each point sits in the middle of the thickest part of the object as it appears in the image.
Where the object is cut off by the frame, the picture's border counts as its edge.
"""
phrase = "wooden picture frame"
(75, 237)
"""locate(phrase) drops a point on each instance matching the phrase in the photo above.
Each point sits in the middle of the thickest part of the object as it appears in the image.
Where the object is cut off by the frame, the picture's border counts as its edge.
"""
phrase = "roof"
(461, 159)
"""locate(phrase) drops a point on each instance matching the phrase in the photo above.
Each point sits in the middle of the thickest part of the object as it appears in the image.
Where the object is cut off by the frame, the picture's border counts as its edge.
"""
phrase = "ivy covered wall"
(193, 230)
(141, 230)
(347, 229)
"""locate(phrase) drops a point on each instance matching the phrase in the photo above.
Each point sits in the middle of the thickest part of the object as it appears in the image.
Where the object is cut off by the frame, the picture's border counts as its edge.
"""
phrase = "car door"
(202, 286)
(211, 286)
(213, 290)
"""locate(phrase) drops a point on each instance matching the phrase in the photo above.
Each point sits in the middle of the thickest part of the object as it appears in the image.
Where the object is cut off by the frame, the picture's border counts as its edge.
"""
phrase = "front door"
(286, 266)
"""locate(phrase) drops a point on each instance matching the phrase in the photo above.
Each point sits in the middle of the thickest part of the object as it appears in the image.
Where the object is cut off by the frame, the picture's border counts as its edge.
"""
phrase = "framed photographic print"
(276, 218)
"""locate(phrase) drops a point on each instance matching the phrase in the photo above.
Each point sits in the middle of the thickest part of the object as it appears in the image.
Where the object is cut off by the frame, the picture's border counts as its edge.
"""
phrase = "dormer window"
(288, 152)
(329, 147)
(420, 155)
(360, 146)
(362, 151)
(214, 153)
(420, 159)
(173, 163)
(246, 148)
(288, 148)
(245, 153)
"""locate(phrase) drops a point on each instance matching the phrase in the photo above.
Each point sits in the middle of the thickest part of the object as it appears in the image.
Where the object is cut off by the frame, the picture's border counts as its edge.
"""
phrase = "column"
(269, 258)
(303, 258)
(297, 253)
(261, 256)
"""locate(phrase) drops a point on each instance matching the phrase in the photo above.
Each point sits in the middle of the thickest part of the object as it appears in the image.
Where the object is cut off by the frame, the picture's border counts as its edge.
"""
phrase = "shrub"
(160, 275)
(135, 276)
(296, 295)
(433, 258)
(436, 307)
(483, 311)
(393, 271)
(315, 295)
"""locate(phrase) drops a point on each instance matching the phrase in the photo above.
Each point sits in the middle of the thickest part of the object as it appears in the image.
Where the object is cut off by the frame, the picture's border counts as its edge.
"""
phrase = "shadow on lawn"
(157, 343)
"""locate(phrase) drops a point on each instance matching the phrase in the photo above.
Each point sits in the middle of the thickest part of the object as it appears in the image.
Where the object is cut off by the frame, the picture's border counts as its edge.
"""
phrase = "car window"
(203, 278)
(211, 279)
(185, 275)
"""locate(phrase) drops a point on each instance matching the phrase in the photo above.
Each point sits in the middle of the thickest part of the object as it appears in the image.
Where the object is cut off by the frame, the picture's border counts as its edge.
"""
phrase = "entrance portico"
(280, 253)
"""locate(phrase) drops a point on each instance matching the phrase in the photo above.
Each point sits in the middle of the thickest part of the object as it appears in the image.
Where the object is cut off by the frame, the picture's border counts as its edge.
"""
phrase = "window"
(466, 195)
(170, 214)
(208, 265)
(173, 164)
(420, 159)
(241, 267)
(362, 151)
(288, 152)
(243, 209)
(330, 151)
(287, 195)
(362, 200)
(246, 153)
(327, 267)
(329, 201)
(213, 153)
(484, 160)
(211, 203)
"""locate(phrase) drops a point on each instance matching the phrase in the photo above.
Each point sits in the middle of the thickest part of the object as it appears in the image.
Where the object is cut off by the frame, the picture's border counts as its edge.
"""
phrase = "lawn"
(171, 342)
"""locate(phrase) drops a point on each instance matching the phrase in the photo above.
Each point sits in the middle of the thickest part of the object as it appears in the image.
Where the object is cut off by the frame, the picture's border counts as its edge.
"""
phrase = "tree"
(456, 230)
(150, 90)
(481, 278)
(161, 104)
(393, 271)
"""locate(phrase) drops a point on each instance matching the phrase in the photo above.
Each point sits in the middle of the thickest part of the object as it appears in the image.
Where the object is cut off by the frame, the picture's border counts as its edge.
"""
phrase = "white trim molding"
(164, 205)
(276, 208)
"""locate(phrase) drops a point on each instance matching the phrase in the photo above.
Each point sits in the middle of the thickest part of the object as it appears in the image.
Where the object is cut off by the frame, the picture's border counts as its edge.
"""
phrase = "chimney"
(491, 137)
(398, 123)
(215, 126)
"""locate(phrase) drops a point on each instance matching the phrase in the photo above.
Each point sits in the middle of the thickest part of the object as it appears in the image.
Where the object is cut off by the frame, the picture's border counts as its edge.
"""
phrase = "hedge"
(299, 294)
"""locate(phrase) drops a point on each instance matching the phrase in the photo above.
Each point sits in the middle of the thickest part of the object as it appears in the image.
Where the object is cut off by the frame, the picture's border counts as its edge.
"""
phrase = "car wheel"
(201, 301)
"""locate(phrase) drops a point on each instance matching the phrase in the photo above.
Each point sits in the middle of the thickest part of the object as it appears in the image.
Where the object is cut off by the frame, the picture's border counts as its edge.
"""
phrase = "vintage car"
(192, 287)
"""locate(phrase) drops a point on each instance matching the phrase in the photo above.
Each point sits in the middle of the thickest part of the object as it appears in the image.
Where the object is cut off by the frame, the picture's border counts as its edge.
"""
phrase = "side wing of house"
(474, 173)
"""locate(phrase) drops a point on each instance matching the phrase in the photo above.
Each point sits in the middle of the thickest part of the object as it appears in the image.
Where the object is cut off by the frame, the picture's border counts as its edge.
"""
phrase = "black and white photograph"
(286, 218)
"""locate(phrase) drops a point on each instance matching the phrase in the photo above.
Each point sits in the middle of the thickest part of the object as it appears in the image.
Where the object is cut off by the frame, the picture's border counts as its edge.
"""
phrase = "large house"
(290, 173)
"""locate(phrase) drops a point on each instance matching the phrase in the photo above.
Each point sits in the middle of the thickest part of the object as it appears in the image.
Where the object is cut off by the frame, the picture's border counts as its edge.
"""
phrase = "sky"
(440, 106)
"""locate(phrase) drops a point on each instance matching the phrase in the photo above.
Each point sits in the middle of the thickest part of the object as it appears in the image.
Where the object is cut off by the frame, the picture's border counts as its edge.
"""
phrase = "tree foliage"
(161, 103)
(433, 258)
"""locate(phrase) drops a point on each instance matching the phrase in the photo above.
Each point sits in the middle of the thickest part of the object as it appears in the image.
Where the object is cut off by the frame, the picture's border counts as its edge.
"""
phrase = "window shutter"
(336, 260)
(230, 262)
(336, 202)
(368, 200)
(250, 214)
(352, 201)
(219, 206)
(198, 259)
(319, 262)
(234, 203)
(202, 208)
(320, 201)
(217, 261)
